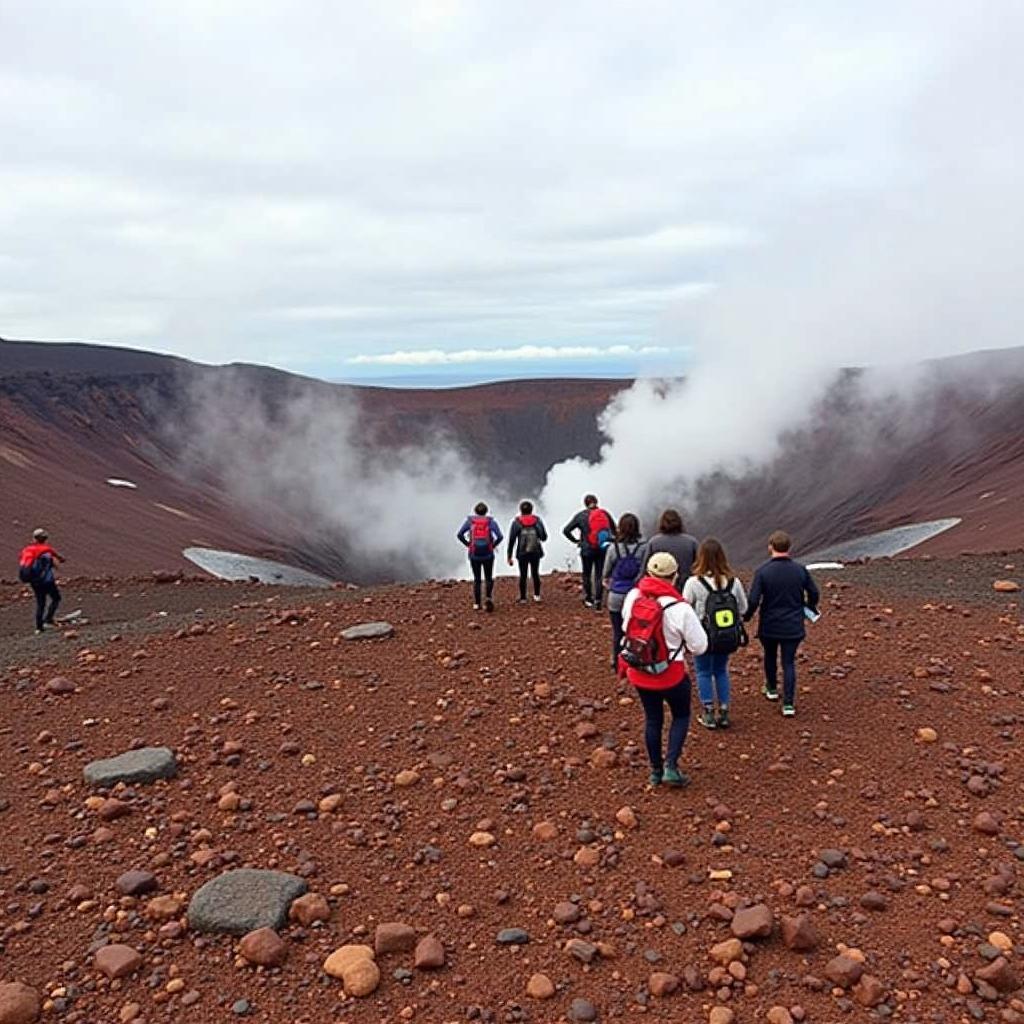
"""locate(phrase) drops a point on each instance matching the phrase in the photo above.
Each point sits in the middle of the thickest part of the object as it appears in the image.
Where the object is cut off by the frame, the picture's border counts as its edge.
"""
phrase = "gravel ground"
(464, 724)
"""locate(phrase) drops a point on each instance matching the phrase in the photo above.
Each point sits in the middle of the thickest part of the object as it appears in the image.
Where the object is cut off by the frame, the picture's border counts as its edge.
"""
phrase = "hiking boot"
(674, 777)
(588, 602)
(788, 711)
(707, 718)
(723, 717)
(536, 598)
(39, 632)
(520, 600)
(489, 605)
(654, 778)
(476, 607)
(597, 606)
(769, 692)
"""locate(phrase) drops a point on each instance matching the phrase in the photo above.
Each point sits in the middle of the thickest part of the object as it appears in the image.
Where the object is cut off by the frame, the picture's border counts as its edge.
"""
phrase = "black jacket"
(782, 589)
(578, 529)
(515, 536)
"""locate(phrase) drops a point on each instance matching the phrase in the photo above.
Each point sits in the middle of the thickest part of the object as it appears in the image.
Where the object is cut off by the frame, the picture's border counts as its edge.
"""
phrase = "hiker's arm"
(609, 563)
(741, 596)
(462, 534)
(755, 597)
(513, 536)
(542, 531)
(567, 530)
(811, 588)
(496, 532)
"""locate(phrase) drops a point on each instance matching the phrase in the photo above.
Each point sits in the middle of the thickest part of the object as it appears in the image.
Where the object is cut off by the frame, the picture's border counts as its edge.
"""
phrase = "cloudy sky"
(373, 189)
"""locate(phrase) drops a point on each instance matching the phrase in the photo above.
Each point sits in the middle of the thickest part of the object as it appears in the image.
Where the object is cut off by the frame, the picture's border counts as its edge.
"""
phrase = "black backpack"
(722, 621)
(530, 539)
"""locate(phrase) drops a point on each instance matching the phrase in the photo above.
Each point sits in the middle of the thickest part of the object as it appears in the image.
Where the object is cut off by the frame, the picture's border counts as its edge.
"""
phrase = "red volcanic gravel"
(367, 767)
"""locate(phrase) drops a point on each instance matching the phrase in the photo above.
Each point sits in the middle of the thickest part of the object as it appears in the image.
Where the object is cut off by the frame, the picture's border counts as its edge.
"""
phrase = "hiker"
(719, 600)
(673, 538)
(659, 628)
(481, 534)
(623, 567)
(785, 593)
(35, 567)
(592, 528)
(525, 544)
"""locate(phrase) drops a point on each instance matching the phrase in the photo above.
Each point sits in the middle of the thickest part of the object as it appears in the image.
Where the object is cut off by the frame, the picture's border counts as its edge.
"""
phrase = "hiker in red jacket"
(593, 529)
(35, 567)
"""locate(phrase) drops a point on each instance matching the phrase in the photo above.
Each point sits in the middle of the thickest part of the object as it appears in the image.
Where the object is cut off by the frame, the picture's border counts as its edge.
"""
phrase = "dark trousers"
(42, 592)
(616, 618)
(678, 700)
(482, 567)
(593, 569)
(531, 564)
(771, 666)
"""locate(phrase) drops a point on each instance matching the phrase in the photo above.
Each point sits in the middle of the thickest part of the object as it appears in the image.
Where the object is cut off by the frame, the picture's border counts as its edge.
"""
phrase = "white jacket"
(683, 631)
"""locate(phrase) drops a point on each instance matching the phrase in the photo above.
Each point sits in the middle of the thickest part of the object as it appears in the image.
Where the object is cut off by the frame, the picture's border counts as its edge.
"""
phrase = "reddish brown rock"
(429, 954)
(869, 991)
(844, 971)
(986, 823)
(117, 961)
(60, 686)
(309, 909)
(264, 948)
(540, 986)
(661, 984)
(753, 922)
(394, 937)
(19, 1004)
(800, 934)
(1000, 975)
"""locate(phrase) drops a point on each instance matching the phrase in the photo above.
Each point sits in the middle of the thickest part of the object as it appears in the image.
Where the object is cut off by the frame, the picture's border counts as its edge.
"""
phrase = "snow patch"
(115, 481)
(231, 565)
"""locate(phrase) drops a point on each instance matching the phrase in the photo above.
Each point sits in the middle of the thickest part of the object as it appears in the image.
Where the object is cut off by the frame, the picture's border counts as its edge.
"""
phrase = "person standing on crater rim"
(593, 529)
(787, 595)
(36, 568)
(525, 542)
(480, 534)
(673, 538)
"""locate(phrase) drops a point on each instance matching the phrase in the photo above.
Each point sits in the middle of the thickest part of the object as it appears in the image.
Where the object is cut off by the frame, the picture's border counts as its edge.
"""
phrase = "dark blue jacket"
(782, 589)
(496, 537)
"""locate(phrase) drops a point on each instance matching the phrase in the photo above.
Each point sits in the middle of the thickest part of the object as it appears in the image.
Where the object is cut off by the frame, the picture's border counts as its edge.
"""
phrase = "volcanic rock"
(243, 900)
(60, 686)
(721, 1015)
(264, 947)
(393, 937)
(582, 1010)
(117, 961)
(873, 900)
(986, 823)
(753, 922)
(869, 991)
(844, 971)
(800, 934)
(1006, 586)
(779, 1015)
(19, 1003)
(661, 983)
(1000, 975)
(136, 883)
(512, 937)
(429, 953)
(343, 957)
(309, 909)
(368, 631)
(725, 952)
(360, 978)
(134, 767)
(540, 986)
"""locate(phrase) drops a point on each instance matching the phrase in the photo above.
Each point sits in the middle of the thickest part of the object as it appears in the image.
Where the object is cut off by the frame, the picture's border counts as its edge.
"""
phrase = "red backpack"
(644, 647)
(599, 529)
(481, 540)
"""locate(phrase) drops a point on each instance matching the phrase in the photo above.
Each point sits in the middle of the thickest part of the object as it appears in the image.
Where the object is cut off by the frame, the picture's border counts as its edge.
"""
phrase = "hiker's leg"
(587, 560)
(771, 662)
(40, 592)
(489, 576)
(789, 671)
(720, 671)
(477, 570)
(535, 572)
(54, 593)
(678, 700)
(654, 713)
(523, 567)
(616, 618)
(705, 687)
(598, 576)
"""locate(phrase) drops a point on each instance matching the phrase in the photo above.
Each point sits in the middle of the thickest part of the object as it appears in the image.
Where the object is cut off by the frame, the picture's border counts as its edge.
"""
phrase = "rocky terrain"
(452, 822)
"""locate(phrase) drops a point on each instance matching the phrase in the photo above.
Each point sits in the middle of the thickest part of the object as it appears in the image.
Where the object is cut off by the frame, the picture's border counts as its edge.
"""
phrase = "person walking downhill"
(660, 627)
(623, 567)
(592, 528)
(673, 538)
(481, 534)
(525, 541)
(35, 567)
(785, 592)
(718, 598)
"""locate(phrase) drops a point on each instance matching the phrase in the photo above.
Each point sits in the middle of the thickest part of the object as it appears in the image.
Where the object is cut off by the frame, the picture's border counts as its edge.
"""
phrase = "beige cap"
(662, 564)
(39, 534)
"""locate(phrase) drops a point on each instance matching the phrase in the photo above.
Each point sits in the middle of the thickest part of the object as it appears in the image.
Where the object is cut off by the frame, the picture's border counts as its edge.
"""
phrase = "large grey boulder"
(240, 901)
(132, 767)
(368, 631)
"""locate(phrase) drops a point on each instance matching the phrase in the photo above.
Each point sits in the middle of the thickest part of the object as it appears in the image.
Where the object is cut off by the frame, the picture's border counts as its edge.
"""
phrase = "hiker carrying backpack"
(36, 568)
(599, 529)
(659, 628)
(526, 538)
(719, 600)
(592, 529)
(623, 567)
(480, 535)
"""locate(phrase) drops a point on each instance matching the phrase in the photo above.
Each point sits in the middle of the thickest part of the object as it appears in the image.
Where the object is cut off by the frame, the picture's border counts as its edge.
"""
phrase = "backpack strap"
(707, 586)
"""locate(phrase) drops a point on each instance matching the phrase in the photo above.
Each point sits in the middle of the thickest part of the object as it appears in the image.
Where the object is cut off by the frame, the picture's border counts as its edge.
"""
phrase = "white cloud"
(524, 353)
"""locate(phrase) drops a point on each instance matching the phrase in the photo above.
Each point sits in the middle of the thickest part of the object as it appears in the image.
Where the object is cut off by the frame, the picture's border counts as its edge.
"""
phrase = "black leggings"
(771, 666)
(485, 567)
(531, 564)
(616, 618)
(42, 592)
(654, 701)
(593, 570)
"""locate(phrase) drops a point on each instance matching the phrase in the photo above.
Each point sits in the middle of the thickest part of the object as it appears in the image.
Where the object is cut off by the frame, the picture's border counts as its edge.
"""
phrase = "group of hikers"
(666, 597)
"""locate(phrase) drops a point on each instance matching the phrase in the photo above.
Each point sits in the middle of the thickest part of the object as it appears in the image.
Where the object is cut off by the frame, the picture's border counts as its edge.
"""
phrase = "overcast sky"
(372, 188)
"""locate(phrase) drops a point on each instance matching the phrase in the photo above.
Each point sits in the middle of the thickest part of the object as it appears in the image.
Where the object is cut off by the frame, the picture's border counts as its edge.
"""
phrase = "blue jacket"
(496, 538)
(782, 589)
